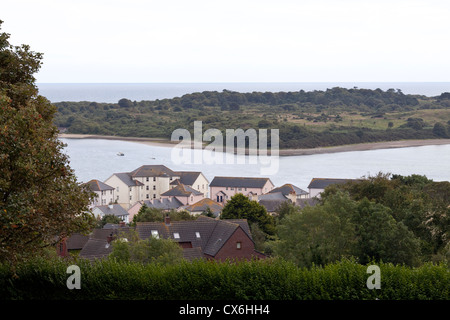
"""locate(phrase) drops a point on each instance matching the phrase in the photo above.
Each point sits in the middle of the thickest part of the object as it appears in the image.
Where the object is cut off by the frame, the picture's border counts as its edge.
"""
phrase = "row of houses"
(157, 186)
(203, 238)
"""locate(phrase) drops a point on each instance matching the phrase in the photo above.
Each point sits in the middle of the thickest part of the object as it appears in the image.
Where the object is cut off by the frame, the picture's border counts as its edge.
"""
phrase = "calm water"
(113, 92)
(97, 159)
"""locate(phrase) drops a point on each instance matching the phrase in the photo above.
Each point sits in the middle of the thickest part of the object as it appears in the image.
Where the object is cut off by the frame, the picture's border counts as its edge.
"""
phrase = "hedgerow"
(270, 279)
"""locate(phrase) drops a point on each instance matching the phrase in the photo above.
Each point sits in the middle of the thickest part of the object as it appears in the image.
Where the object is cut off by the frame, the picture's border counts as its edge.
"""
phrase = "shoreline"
(160, 142)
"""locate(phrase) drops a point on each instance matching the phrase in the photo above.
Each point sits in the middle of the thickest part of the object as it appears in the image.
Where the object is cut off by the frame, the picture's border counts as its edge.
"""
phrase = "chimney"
(110, 238)
(167, 220)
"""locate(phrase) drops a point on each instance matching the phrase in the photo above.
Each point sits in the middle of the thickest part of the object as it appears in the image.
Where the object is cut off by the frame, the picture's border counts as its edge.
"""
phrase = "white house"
(104, 193)
(195, 180)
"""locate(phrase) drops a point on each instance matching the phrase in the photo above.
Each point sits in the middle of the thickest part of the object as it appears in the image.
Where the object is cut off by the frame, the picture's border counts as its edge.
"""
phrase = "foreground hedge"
(256, 280)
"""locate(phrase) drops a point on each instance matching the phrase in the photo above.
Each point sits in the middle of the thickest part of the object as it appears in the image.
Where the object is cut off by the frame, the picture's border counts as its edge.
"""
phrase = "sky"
(135, 41)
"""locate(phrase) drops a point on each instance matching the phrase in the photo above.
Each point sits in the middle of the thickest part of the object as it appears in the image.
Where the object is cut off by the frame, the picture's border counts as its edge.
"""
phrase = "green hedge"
(202, 280)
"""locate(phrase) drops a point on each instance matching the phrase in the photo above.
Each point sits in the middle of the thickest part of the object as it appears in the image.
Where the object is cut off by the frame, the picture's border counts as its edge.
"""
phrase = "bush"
(270, 279)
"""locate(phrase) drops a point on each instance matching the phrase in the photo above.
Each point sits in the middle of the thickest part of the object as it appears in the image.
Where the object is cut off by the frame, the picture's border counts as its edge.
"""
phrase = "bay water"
(98, 159)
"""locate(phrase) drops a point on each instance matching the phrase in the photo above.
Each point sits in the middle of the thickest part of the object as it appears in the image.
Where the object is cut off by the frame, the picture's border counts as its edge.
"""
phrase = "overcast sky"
(234, 41)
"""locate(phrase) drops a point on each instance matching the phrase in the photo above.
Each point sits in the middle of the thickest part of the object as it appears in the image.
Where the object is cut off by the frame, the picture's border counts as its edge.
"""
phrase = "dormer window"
(197, 234)
(176, 235)
(155, 234)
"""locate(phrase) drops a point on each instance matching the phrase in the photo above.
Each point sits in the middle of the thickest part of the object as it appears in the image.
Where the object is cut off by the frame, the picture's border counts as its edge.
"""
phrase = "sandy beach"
(283, 152)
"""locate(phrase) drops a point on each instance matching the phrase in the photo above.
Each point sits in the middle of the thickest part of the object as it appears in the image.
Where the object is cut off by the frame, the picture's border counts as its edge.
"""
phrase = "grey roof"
(272, 205)
(165, 203)
(322, 183)
(152, 171)
(97, 246)
(239, 182)
(288, 188)
(97, 185)
(181, 190)
(96, 249)
(193, 253)
(213, 233)
(76, 241)
(272, 196)
(126, 178)
(203, 205)
(187, 177)
(112, 209)
(306, 202)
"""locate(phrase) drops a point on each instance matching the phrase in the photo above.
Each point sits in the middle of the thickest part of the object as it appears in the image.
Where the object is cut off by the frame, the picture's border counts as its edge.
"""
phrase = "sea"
(99, 159)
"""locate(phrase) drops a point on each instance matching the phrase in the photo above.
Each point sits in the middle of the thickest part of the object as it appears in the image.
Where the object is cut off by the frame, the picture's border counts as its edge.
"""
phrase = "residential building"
(291, 191)
(164, 204)
(195, 180)
(205, 237)
(144, 183)
(111, 209)
(185, 194)
(127, 190)
(318, 185)
(203, 205)
(104, 194)
(223, 188)
(71, 245)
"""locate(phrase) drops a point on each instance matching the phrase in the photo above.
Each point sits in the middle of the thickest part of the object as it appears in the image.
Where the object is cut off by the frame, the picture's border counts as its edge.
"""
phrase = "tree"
(125, 103)
(320, 234)
(40, 198)
(440, 130)
(129, 248)
(241, 207)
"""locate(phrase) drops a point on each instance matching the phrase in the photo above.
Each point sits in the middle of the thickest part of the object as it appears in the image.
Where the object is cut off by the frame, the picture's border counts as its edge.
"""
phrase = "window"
(154, 196)
(155, 234)
(176, 235)
(154, 187)
(154, 178)
(146, 179)
(117, 189)
(148, 196)
(147, 187)
(197, 234)
(238, 245)
(239, 189)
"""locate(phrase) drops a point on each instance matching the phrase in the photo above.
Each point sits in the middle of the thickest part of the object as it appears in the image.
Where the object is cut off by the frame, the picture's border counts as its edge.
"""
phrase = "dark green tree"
(440, 130)
(40, 198)
(241, 207)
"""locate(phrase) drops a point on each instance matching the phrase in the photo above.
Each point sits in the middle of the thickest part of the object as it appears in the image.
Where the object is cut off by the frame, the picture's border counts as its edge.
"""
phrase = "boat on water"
(121, 154)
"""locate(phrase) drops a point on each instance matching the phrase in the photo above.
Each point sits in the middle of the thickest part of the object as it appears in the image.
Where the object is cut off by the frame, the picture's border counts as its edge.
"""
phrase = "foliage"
(270, 279)
(40, 199)
(146, 214)
(419, 206)
(152, 250)
(336, 116)
(241, 207)
(108, 218)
